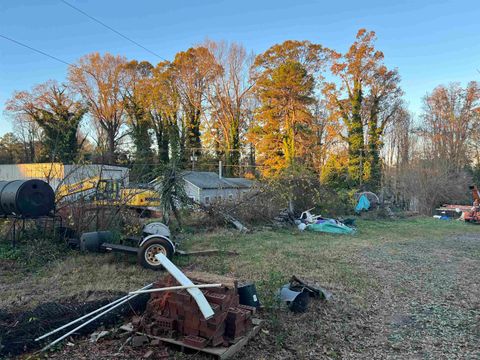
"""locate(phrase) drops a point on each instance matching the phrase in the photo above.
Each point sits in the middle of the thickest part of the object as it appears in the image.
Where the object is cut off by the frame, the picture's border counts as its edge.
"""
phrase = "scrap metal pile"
(175, 314)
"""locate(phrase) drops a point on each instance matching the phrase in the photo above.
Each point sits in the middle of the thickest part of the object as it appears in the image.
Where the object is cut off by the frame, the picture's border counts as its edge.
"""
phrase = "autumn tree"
(451, 118)
(285, 77)
(53, 108)
(138, 114)
(193, 71)
(161, 94)
(228, 100)
(382, 104)
(99, 80)
(365, 98)
(10, 149)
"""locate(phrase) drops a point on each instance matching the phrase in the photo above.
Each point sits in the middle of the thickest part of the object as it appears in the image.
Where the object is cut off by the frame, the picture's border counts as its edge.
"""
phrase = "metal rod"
(90, 314)
(88, 322)
(175, 288)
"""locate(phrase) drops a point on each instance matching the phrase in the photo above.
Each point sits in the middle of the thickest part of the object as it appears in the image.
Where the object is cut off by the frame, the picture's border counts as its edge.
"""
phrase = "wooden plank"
(235, 348)
(220, 352)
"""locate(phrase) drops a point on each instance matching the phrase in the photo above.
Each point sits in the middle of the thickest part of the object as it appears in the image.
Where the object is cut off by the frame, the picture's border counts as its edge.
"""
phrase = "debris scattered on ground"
(139, 340)
(19, 330)
(94, 337)
(106, 309)
(285, 217)
(312, 222)
(315, 290)
(332, 226)
(297, 294)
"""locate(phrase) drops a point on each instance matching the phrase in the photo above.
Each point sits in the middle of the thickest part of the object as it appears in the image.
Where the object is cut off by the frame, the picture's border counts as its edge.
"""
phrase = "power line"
(111, 29)
(36, 50)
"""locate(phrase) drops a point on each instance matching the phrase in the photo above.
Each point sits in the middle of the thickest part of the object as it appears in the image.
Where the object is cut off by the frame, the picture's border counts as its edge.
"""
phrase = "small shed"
(208, 187)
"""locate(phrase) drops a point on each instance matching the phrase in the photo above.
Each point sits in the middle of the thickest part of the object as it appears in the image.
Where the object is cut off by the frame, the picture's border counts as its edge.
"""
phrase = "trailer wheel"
(152, 247)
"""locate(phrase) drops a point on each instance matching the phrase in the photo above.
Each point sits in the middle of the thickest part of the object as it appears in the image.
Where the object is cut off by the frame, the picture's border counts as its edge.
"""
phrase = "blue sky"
(430, 42)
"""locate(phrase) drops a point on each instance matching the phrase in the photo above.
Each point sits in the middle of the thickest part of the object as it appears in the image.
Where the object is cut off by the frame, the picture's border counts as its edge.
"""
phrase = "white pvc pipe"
(175, 288)
(202, 302)
(89, 321)
(90, 314)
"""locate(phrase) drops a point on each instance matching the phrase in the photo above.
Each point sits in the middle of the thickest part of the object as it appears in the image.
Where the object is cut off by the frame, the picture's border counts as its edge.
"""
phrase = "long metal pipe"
(88, 322)
(90, 313)
(200, 286)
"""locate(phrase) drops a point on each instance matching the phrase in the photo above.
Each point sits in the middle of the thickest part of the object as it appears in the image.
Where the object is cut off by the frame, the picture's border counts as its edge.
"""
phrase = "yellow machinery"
(110, 192)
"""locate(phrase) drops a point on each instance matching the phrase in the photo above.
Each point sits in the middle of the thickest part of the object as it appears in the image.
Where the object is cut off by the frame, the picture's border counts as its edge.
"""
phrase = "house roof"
(210, 180)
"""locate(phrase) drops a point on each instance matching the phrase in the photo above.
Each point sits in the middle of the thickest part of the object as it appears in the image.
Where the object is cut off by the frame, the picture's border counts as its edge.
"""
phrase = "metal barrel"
(91, 241)
(26, 198)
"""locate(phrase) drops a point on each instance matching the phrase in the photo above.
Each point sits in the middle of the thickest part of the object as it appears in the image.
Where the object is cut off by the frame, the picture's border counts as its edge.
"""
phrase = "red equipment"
(473, 215)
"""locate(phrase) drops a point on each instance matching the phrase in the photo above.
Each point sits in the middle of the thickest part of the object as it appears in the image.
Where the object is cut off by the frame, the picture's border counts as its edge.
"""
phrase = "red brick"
(252, 309)
(214, 298)
(190, 331)
(192, 322)
(164, 323)
(172, 308)
(234, 315)
(183, 296)
(195, 341)
(246, 313)
(218, 340)
(212, 332)
(180, 325)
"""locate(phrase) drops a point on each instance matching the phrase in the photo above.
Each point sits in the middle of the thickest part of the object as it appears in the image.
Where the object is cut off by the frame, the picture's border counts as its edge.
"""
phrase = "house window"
(230, 197)
(207, 200)
(219, 198)
(192, 198)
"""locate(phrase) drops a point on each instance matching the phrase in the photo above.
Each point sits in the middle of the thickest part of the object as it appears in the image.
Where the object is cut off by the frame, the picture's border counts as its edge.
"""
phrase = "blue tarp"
(363, 204)
(330, 226)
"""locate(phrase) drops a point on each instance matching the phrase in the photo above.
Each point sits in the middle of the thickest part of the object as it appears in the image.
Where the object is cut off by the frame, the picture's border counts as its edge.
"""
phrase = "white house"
(209, 187)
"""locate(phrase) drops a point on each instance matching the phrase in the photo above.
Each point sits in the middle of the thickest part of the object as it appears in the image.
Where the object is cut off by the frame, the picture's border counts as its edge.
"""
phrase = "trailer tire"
(151, 247)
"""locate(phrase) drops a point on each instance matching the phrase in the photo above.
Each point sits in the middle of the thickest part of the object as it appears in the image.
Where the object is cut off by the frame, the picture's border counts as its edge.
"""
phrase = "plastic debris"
(363, 204)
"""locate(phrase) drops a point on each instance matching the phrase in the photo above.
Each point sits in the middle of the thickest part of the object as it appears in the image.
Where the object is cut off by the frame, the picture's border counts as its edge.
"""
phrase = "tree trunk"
(111, 147)
(356, 139)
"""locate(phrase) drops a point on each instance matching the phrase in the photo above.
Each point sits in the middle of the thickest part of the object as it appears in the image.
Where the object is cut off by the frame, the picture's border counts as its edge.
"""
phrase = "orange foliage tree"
(285, 76)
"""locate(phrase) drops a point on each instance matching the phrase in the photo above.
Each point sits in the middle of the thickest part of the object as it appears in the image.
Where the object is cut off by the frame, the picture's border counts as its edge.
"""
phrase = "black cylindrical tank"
(26, 198)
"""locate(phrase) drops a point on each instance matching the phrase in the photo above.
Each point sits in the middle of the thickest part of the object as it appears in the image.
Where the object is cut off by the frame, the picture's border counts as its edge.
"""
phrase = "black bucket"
(247, 294)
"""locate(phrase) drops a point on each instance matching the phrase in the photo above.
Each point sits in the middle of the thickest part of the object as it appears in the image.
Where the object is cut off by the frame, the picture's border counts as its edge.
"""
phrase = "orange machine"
(473, 215)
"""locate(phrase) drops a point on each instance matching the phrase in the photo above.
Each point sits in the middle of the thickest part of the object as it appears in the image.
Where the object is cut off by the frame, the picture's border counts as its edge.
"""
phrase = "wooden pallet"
(220, 353)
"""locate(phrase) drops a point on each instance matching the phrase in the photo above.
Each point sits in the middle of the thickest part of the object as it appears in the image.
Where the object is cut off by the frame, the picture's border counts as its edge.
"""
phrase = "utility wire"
(111, 29)
(36, 50)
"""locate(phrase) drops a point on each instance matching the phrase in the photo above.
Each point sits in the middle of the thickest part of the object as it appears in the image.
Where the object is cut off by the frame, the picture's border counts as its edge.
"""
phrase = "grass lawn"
(402, 289)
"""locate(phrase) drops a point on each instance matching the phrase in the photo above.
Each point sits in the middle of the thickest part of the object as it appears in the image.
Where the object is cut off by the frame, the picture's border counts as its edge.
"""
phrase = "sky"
(430, 42)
